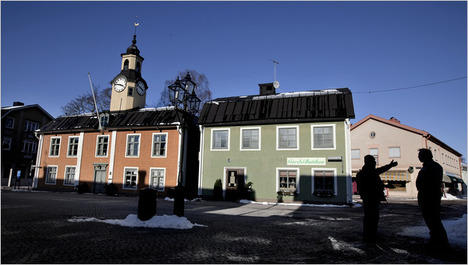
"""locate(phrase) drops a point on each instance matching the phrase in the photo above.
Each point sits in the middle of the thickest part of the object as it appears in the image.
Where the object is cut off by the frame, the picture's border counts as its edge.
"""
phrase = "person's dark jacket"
(369, 184)
(429, 181)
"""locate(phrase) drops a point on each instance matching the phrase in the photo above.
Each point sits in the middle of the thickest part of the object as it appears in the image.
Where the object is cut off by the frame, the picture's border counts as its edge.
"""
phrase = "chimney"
(393, 119)
(267, 89)
(17, 103)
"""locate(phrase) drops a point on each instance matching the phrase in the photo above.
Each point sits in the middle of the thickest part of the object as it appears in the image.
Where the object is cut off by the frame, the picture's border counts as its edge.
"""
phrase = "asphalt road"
(35, 229)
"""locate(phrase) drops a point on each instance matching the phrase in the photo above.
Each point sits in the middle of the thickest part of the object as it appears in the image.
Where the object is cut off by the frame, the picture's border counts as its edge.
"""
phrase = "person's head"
(424, 155)
(369, 161)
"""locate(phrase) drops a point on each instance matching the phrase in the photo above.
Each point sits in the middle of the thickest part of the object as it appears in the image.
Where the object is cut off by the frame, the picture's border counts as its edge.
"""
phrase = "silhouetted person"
(429, 185)
(371, 189)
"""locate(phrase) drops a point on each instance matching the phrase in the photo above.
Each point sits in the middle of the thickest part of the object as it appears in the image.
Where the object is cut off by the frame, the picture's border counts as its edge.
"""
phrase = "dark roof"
(122, 120)
(8, 110)
(306, 106)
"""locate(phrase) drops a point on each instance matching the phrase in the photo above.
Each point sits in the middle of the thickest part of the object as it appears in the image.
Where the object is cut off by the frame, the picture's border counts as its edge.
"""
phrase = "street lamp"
(182, 95)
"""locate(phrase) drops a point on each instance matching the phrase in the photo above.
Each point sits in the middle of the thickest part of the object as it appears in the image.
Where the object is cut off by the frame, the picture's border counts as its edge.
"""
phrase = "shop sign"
(306, 161)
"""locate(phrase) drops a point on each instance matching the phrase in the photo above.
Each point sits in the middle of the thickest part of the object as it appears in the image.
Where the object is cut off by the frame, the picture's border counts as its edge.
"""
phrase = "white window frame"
(298, 176)
(241, 147)
(375, 156)
(65, 176)
(335, 179)
(390, 152)
(127, 145)
(31, 126)
(10, 125)
(358, 154)
(8, 139)
(29, 148)
(59, 145)
(164, 178)
(97, 145)
(152, 145)
(124, 186)
(313, 135)
(228, 140)
(278, 140)
(69, 145)
(48, 169)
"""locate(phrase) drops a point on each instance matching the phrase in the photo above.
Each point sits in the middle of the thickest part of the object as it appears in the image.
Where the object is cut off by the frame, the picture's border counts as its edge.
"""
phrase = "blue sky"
(48, 48)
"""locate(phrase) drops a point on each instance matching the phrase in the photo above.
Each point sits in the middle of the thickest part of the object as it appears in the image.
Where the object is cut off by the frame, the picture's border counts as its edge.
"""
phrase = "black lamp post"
(182, 95)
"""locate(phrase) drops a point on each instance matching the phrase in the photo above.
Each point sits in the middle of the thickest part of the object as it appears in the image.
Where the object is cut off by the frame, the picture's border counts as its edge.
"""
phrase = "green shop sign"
(306, 161)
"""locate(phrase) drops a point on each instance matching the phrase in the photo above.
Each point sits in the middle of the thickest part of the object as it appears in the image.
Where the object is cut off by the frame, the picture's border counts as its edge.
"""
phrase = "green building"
(277, 147)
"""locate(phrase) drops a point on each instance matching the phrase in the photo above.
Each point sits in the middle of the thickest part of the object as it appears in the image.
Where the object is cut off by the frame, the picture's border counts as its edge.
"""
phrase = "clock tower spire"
(128, 87)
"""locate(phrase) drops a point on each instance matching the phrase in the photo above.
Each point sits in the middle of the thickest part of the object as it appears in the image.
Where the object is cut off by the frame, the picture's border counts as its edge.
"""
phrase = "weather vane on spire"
(136, 24)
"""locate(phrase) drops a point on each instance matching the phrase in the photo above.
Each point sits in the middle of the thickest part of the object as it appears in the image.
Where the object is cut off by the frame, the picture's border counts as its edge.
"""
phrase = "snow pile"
(456, 231)
(295, 204)
(165, 221)
(450, 197)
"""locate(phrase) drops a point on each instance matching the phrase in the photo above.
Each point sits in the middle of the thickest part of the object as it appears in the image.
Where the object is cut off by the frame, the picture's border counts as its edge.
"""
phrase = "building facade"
(388, 139)
(129, 146)
(287, 146)
(19, 143)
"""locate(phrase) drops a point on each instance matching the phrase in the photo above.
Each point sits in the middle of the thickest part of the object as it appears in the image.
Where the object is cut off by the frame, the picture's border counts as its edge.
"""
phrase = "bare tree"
(85, 103)
(202, 90)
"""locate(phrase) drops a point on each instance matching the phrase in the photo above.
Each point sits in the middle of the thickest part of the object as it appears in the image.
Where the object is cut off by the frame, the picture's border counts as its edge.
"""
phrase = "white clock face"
(140, 87)
(120, 84)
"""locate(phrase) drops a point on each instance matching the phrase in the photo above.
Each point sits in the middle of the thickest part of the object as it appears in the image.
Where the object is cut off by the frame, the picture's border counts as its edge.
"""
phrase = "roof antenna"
(276, 84)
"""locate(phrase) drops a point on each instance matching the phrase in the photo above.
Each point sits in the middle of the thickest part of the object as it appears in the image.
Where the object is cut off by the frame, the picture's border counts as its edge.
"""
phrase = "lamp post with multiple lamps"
(182, 95)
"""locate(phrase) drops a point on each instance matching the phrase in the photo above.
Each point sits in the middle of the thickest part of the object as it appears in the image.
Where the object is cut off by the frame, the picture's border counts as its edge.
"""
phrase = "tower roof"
(132, 49)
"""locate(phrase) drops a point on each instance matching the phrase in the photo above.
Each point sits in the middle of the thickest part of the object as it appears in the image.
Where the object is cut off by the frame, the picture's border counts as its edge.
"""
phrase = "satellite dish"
(276, 84)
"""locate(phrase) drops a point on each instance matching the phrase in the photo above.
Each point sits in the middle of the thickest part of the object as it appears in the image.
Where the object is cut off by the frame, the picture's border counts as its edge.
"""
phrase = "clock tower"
(128, 87)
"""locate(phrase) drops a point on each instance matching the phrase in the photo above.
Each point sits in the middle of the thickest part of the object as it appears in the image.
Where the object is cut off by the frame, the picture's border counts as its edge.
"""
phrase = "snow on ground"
(165, 221)
(456, 231)
(300, 204)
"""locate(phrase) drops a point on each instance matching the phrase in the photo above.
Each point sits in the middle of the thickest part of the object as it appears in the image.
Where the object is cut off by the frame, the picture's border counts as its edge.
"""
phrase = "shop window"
(287, 180)
(324, 182)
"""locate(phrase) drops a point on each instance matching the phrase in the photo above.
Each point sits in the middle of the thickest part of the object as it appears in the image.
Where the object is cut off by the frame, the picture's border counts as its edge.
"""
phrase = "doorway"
(235, 183)
(99, 178)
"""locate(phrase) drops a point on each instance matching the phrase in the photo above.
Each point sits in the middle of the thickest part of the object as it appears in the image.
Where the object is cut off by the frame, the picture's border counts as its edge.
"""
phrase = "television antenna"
(276, 83)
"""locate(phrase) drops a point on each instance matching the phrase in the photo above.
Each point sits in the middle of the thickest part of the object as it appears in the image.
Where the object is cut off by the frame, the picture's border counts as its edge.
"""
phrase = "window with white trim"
(250, 138)
(287, 138)
(54, 146)
(323, 136)
(31, 126)
(51, 175)
(355, 154)
(69, 178)
(102, 145)
(9, 123)
(375, 153)
(394, 152)
(133, 145)
(287, 180)
(324, 182)
(29, 148)
(130, 178)
(73, 145)
(6, 143)
(158, 176)
(159, 144)
(220, 139)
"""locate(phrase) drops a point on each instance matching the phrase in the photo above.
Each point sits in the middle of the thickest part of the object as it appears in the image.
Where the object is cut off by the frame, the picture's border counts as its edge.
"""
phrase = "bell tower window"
(138, 67)
(125, 67)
